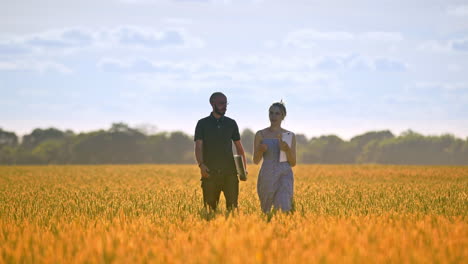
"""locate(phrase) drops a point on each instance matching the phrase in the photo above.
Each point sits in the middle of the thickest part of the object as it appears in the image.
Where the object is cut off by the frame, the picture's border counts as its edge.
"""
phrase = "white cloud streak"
(308, 38)
(216, 2)
(461, 10)
(437, 46)
(382, 36)
(452, 86)
(262, 73)
(41, 67)
(79, 38)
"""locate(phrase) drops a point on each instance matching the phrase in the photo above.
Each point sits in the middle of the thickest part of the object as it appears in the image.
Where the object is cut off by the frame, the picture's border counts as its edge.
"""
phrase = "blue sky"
(342, 67)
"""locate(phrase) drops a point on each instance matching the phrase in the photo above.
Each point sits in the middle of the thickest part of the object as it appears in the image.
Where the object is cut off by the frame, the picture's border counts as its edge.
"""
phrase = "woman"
(275, 180)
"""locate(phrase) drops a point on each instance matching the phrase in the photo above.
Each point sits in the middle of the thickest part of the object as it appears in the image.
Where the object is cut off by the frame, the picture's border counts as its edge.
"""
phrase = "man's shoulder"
(204, 119)
(228, 119)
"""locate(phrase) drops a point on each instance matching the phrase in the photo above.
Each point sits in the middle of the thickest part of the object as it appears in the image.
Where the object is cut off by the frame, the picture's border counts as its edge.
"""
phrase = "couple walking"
(213, 150)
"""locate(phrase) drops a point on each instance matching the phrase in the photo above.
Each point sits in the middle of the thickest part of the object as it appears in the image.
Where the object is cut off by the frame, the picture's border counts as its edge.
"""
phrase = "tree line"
(122, 144)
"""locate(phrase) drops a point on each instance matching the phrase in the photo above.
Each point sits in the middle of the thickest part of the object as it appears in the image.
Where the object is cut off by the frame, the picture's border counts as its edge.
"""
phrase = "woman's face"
(275, 114)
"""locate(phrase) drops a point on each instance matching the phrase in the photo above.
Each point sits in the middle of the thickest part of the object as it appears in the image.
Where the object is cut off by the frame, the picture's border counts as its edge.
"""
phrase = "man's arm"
(199, 156)
(240, 151)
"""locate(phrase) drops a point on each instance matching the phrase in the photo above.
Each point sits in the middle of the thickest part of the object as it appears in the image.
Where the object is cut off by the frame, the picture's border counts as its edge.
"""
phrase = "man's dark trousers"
(217, 182)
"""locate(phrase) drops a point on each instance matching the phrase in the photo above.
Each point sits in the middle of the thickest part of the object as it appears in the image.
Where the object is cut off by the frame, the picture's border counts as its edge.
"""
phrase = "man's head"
(219, 103)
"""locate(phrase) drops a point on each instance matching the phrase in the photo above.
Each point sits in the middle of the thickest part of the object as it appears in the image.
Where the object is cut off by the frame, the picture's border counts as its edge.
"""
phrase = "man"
(213, 150)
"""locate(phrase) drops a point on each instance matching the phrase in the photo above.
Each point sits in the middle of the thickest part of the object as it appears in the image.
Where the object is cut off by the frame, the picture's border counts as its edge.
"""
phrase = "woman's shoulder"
(287, 131)
(261, 132)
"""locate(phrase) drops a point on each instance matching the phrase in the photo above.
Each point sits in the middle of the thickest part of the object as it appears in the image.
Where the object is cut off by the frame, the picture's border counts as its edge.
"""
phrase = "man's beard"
(218, 111)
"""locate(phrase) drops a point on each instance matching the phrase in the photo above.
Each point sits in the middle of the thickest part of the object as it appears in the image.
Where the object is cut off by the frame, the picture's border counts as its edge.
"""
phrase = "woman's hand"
(283, 145)
(263, 148)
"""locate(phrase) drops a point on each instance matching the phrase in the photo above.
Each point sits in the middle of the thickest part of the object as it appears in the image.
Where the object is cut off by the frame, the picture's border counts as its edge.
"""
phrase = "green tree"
(364, 145)
(8, 139)
(51, 151)
(8, 155)
(328, 149)
(38, 135)
(247, 138)
(119, 145)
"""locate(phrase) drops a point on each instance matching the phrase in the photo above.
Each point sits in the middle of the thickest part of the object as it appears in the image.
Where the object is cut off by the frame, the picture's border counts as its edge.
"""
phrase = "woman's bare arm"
(259, 148)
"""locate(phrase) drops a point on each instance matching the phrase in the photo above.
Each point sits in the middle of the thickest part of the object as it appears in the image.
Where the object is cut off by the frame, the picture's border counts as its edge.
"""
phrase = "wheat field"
(154, 214)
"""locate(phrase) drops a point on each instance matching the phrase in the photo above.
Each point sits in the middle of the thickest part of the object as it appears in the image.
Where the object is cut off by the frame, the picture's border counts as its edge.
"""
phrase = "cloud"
(460, 45)
(307, 38)
(260, 72)
(461, 10)
(139, 66)
(270, 44)
(263, 73)
(329, 63)
(61, 39)
(10, 48)
(223, 2)
(177, 21)
(58, 41)
(389, 65)
(450, 95)
(382, 36)
(356, 62)
(78, 38)
(133, 36)
(200, 1)
(35, 52)
(453, 45)
(435, 46)
(139, 2)
(41, 67)
(113, 65)
(449, 86)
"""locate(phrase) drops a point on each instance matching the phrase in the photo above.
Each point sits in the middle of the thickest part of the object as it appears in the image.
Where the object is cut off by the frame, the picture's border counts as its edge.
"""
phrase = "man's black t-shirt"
(217, 136)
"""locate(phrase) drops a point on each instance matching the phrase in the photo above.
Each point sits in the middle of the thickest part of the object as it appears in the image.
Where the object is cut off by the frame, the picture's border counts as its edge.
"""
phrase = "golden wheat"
(153, 213)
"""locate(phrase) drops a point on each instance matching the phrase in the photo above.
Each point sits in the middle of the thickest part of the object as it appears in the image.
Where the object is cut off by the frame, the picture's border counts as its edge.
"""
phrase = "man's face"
(220, 105)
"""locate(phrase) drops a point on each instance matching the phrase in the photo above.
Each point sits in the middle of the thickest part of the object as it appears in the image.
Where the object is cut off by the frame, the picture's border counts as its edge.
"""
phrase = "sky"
(341, 67)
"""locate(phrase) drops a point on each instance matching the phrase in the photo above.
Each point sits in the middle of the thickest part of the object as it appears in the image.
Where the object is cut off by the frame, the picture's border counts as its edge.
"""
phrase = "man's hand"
(246, 175)
(204, 171)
